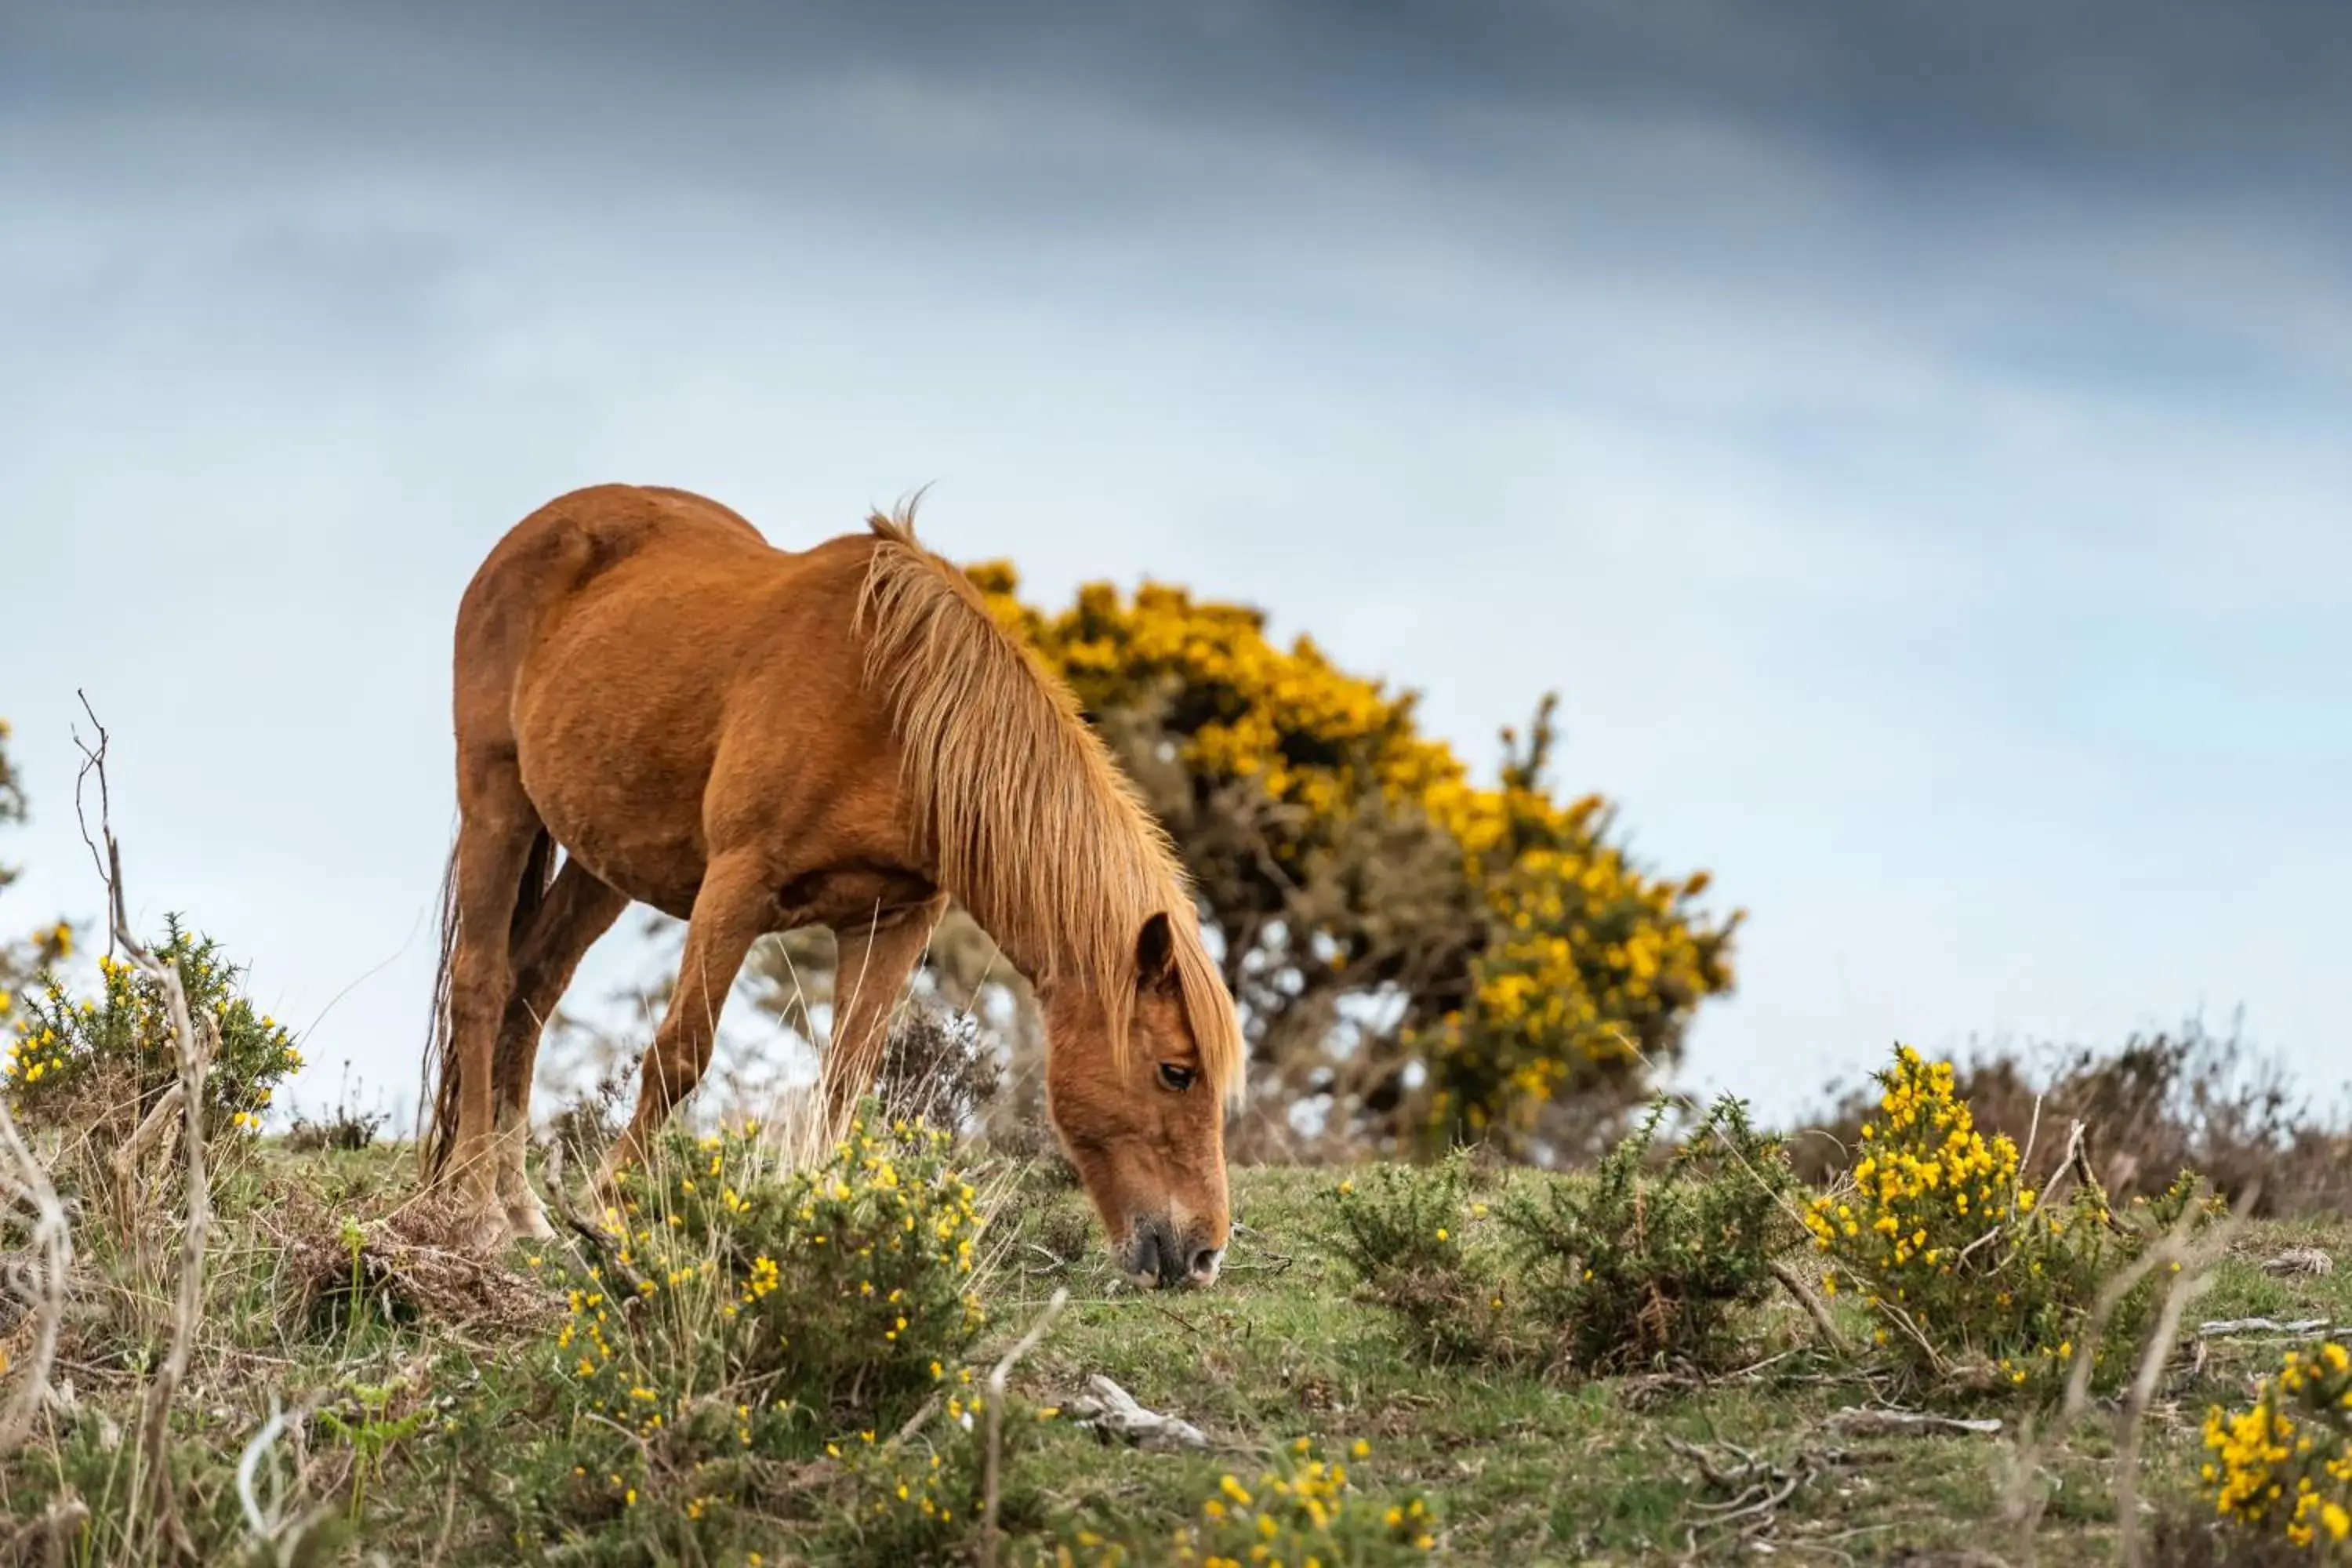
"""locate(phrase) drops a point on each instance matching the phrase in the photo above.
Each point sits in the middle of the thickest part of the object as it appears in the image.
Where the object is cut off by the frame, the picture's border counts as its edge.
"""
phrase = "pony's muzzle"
(1158, 1257)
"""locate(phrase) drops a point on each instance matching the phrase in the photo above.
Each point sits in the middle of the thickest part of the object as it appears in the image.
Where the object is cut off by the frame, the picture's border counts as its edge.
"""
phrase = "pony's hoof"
(487, 1233)
(528, 1221)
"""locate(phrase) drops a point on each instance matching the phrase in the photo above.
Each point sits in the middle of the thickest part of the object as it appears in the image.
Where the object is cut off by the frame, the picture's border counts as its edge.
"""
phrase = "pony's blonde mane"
(1032, 823)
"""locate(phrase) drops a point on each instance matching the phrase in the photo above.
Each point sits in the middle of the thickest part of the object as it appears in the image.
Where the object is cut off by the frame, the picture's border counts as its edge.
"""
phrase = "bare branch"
(193, 1051)
(1814, 1309)
(1027, 1343)
(27, 1186)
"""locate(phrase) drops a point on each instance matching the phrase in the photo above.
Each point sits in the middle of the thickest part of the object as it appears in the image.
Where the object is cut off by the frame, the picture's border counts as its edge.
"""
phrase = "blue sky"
(1911, 439)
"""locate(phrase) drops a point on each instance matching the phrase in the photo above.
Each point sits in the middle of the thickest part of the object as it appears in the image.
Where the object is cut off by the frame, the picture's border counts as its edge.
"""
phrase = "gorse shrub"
(921, 1499)
(741, 1312)
(1970, 1269)
(1405, 1231)
(2187, 1097)
(2283, 1467)
(99, 1064)
(1302, 1511)
(1647, 1260)
(1636, 1266)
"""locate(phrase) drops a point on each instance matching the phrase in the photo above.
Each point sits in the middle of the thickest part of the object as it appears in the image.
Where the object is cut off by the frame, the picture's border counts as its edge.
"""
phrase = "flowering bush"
(1589, 969)
(2283, 1466)
(1340, 850)
(1302, 1511)
(1632, 1267)
(1405, 1230)
(742, 1310)
(104, 1060)
(1967, 1266)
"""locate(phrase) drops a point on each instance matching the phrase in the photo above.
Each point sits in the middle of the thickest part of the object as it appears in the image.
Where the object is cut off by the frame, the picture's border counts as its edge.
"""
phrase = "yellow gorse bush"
(1967, 1266)
(1561, 963)
(1928, 1183)
(743, 1308)
(1589, 963)
(2284, 1464)
(1302, 1511)
(111, 1055)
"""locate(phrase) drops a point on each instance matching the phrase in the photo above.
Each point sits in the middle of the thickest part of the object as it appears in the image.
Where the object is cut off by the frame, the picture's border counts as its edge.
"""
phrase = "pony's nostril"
(1156, 1258)
(1205, 1263)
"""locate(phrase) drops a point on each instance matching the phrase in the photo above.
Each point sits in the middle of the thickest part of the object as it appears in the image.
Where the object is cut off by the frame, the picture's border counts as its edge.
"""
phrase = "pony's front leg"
(737, 904)
(868, 976)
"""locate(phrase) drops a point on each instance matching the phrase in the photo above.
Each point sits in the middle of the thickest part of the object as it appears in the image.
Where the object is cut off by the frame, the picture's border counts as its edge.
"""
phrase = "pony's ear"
(1155, 954)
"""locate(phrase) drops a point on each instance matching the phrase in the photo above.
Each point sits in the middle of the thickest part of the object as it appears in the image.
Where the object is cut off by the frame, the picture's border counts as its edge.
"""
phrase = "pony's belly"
(666, 880)
(626, 806)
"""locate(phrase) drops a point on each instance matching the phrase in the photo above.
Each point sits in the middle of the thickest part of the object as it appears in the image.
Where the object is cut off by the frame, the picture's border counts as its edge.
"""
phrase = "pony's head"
(1143, 1118)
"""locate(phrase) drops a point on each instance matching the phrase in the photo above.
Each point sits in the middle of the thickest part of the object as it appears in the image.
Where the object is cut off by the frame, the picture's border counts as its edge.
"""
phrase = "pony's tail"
(438, 1097)
(437, 1102)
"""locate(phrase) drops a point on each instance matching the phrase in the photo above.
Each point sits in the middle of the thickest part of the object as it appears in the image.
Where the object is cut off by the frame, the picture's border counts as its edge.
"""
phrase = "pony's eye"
(1176, 1077)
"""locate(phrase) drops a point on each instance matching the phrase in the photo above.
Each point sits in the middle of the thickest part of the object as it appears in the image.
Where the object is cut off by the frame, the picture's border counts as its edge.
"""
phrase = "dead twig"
(2190, 1274)
(601, 1239)
(992, 1475)
(193, 1052)
(916, 1422)
(26, 1185)
(52, 1528)
(1814, 1308)
(2025, 1502)
(1757, 1487)
(128, 1160)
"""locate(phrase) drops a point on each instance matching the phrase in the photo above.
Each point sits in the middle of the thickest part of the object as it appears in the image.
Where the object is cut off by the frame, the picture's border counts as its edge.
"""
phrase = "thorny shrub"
(99, 1064)
(1969, 1270)
(1637, 1266)
(917, 1499)
(2283, 1467)
(1405, 1229)
(742, 1310)
(1302, 1511)
(1649, 1259)
(937, 1069)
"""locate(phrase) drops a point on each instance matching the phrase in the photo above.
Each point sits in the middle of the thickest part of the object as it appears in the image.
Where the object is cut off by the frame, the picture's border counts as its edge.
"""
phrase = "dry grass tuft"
(411, 1267)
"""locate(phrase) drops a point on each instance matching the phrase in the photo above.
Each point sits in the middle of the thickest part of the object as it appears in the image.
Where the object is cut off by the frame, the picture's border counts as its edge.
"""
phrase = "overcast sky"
(1912, 436)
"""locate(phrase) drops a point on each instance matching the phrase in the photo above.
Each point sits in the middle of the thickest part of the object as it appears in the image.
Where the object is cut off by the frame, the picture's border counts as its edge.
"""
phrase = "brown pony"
(752, 740)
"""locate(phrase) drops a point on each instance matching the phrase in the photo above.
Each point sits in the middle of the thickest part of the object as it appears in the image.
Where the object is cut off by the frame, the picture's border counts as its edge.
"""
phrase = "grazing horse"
(752, 740)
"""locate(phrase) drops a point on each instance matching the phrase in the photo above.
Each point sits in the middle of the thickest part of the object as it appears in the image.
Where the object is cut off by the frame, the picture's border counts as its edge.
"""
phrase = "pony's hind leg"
(579, 908)
(736, 905)
(869, 975)
(496, 837)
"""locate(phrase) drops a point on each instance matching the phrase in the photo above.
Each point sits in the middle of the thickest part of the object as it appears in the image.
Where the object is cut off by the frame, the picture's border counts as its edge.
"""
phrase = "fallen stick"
(1107, 1407)
(2300, 1328)
(1861, 1421)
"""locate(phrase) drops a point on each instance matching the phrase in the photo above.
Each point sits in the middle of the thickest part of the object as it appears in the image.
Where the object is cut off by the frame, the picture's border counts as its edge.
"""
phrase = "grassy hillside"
(426, 1432)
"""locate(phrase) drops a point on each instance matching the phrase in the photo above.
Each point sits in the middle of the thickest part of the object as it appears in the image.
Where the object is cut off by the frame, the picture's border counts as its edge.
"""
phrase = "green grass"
(1522, 1469)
